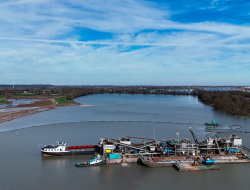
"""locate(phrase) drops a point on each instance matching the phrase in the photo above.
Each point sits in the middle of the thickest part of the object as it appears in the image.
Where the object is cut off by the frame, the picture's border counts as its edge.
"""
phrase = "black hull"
(90, 165)
(209, 124)
(73, 152)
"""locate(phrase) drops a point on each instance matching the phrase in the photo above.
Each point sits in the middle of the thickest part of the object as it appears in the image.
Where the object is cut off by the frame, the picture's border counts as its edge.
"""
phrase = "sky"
(125, 42)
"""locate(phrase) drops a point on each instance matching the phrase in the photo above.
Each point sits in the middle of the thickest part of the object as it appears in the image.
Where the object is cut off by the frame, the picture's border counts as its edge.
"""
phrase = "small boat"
(212, 124)
(96, 161)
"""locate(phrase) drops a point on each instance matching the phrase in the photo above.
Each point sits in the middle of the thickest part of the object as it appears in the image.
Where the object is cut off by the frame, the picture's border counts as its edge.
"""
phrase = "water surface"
(114, 116)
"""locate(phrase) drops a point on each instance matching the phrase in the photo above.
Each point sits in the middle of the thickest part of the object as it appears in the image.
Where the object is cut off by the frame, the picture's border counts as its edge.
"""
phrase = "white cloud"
(36, 43)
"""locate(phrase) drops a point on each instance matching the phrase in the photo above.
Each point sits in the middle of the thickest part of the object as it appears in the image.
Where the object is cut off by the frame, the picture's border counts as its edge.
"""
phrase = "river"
(114, 115)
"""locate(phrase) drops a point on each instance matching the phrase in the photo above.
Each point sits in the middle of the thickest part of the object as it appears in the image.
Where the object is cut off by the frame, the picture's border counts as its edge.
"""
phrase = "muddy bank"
(21, 110)
(38, 103)
(7, 116)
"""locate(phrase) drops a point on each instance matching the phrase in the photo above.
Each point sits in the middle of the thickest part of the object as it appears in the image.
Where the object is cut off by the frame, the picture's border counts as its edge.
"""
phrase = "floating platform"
(164, 161)
(185, 167)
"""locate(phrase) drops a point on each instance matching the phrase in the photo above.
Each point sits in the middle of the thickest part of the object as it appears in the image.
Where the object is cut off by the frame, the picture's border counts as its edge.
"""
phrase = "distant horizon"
(129, 85)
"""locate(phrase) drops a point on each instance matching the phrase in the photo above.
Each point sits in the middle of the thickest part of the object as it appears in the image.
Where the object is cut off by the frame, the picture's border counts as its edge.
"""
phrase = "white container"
(237, 142)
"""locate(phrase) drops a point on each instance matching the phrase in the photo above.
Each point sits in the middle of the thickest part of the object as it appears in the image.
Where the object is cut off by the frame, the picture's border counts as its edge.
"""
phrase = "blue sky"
(125, 42)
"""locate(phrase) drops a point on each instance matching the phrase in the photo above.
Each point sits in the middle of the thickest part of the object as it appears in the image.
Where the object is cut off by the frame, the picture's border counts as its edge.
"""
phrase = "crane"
(195, 139)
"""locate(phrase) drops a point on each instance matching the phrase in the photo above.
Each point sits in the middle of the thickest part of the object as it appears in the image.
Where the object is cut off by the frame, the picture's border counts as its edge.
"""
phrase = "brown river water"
(113, 115)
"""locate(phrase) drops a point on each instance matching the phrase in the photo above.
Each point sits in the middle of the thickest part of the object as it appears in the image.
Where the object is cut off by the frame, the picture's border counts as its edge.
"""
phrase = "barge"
(60, 149)
(182, 167)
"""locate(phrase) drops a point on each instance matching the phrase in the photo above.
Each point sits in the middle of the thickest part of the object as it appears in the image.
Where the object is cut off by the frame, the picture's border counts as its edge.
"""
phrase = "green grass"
(1, 96)
(3, 101)
(62, 100)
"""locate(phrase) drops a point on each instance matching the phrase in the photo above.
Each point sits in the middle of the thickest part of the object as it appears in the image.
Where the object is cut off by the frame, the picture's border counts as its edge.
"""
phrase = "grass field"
(1, 96)
(62, 100)
(3, 101)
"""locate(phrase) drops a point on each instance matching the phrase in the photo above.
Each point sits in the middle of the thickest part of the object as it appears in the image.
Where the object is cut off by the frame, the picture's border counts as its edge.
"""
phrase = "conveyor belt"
(142, 138)
(246, 149)
(123, 144)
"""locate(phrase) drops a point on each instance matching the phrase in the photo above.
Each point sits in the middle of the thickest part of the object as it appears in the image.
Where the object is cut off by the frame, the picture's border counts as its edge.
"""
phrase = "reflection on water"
(114, 116)
(125, 165)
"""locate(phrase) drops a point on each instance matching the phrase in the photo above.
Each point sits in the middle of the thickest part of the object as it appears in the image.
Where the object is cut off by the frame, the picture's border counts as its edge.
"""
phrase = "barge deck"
(184, 167)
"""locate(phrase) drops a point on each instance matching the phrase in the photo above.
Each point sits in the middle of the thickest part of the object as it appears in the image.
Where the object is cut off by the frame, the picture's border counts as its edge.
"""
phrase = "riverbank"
(44, 103)
(3, 102)
(235, 103)
(8, 116)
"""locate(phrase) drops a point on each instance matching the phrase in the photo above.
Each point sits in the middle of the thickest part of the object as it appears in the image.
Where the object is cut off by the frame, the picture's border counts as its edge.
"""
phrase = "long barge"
(60, 149)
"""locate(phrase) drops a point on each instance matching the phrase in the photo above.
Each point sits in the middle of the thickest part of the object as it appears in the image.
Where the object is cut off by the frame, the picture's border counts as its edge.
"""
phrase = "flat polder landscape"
(115, 115)
(124, 94)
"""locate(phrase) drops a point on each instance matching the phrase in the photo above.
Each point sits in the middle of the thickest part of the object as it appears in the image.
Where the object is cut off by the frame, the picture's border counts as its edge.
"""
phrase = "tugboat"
(60, 149)
(96, 161)
(212, 124)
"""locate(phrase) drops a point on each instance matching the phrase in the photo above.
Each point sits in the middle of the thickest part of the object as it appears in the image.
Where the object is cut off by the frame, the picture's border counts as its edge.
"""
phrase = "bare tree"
(7, 96)
(39, 91)
(6, 90)
(69, 96)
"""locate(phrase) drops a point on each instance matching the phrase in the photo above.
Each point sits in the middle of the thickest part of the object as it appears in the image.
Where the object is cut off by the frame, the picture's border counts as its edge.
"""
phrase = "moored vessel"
(60, 149)
(96, 161)
(212, 124)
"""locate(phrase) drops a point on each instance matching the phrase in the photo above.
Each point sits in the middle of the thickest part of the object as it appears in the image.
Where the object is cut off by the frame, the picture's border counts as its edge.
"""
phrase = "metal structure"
(185, 147)
(195, 139)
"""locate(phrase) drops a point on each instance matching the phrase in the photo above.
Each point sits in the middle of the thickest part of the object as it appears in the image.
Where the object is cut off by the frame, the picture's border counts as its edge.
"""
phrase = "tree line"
(233, 102)
(77, 92)
(74, 93)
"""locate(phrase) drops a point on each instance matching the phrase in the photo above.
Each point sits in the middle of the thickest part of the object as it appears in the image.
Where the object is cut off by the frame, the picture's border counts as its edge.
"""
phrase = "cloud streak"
(140, 44)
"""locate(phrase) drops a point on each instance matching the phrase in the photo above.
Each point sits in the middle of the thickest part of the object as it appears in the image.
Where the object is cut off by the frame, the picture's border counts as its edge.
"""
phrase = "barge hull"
(182, 167)
(72, 152)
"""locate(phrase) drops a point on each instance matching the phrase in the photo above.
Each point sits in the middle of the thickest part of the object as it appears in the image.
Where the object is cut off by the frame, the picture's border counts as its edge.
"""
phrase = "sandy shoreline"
(8, 116)
(32, 108)
(44, 103)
